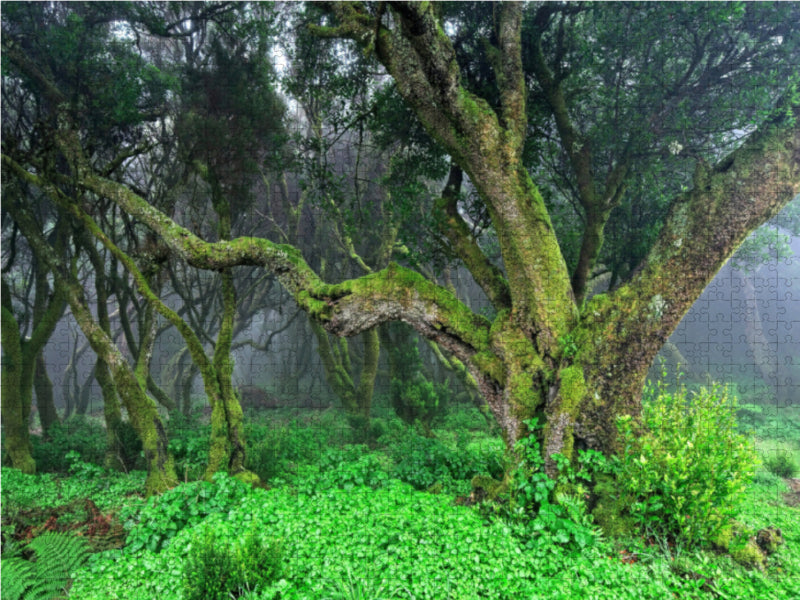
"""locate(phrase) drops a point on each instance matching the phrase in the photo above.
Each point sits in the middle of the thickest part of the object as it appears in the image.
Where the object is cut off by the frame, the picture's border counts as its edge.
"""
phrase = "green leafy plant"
(351, 467)
(423, 461)
(568, 346)
(358, 588)
(781, 463)
(684, 473)
(54, 557)
(77, 434)
(164, 516)
(550, 510)
(280, 448)
(190, 451)
(217, 569)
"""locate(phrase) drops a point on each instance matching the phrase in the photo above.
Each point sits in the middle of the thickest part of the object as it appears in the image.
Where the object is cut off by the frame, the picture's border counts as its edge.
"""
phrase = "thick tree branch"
(707, 224)
(726, 203)
(348, 308)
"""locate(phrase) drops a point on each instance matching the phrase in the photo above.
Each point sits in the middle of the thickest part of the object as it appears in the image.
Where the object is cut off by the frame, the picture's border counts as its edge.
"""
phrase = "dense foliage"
(684, 476)
(339, 522)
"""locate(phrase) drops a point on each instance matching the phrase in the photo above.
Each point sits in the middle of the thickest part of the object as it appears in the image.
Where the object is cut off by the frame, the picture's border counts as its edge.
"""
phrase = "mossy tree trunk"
(20, 364)
(15, 424)
(227, 446)
(45, 402)
(353, 387)
(112, 412)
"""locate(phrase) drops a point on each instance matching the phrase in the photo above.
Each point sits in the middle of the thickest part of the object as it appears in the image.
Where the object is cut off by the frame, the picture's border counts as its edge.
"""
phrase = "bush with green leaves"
(79, 434)
(346, 468)
(543, 510)
(466, 418)
(423, 461)
(164, 516)
(188, 444)
(683, 472)
(274, 450)
(781, 463)
(419, 400)
(217, 568)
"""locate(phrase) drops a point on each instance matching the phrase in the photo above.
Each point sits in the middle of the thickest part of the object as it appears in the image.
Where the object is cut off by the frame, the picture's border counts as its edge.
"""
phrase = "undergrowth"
(346, 520)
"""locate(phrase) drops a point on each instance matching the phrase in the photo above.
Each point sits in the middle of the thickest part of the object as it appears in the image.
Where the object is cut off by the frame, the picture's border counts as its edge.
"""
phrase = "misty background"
(744, 331)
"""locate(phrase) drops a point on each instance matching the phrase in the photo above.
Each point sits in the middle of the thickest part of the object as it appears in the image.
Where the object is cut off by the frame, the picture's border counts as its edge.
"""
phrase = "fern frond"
(57, 555)
(59, 552)
(17, 575)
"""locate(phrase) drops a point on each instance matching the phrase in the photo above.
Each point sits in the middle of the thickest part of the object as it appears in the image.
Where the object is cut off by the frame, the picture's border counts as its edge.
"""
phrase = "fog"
(743, 331)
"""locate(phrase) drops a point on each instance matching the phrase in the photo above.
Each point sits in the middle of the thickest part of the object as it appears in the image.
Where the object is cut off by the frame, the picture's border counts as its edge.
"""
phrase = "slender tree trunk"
(15, 422)
(355, 390)
(187, 383)
(112, 415)
(85, 395)
(227, 448)
(44, 396)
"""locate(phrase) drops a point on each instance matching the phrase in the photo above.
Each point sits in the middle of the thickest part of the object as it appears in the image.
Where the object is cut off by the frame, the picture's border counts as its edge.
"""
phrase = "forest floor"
(384, 519)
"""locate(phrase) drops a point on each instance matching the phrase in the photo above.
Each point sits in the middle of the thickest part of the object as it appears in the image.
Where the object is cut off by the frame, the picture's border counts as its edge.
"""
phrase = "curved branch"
(347, 308)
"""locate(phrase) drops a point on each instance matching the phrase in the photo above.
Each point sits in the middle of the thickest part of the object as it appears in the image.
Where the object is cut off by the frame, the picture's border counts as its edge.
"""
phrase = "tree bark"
(19, 364)
(44, 396)
(15, 422)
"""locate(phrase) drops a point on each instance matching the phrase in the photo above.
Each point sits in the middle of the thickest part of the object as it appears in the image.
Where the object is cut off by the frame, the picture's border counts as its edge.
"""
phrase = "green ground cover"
(386, 517)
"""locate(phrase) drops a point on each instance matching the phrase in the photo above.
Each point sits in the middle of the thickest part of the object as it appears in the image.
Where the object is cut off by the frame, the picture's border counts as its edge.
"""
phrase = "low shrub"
(216, 569)
(188, 444)
(781, 463)
(79, 434)
(164, 516)
(545, 511)
(465, 418)
(683, 474)
(272, 450)
(346, 468)
(424, 462)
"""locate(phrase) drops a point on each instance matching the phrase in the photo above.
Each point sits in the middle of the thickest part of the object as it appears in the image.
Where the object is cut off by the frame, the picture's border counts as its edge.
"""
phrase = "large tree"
(672, 126)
